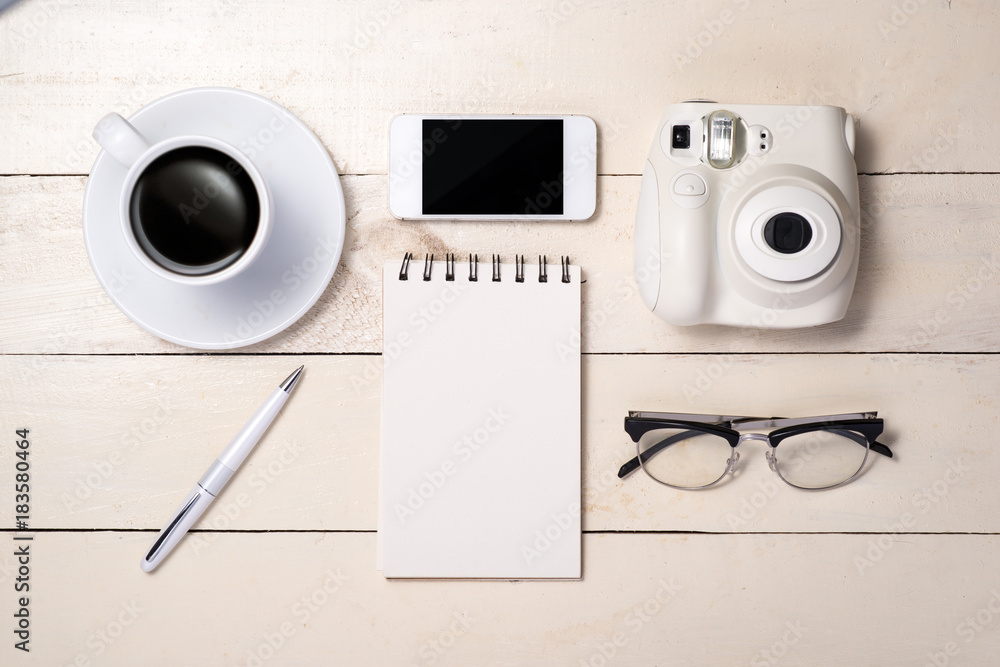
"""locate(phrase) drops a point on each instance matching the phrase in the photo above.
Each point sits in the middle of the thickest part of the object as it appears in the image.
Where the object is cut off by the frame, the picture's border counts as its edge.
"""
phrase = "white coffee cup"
(127, 145)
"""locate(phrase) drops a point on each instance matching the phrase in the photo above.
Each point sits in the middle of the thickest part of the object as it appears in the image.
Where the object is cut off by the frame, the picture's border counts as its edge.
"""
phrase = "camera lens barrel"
(788, 233)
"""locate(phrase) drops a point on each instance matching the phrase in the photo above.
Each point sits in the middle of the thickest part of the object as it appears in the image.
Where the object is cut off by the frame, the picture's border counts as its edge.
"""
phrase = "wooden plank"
(118, 441)
(293, 599)
(927, 282)
(346, 69)
(881, 572)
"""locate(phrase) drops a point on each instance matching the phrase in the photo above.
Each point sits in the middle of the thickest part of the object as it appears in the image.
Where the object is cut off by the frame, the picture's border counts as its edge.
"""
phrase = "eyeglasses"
(685, 451)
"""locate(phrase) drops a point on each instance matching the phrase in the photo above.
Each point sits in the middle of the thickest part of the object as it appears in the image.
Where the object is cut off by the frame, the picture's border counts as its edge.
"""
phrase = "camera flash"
(720, 139)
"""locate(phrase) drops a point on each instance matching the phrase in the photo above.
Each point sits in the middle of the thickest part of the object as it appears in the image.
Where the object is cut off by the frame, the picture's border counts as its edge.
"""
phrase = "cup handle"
(120, 139)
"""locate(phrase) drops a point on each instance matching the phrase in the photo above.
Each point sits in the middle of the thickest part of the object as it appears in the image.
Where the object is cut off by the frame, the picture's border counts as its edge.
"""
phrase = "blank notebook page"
(480, 461)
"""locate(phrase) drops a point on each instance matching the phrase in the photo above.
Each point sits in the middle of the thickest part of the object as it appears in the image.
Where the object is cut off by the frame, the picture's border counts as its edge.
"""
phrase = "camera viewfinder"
(681, 137)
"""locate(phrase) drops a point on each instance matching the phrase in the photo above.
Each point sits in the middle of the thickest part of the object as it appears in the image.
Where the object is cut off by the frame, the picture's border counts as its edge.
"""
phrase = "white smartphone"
(492, 167)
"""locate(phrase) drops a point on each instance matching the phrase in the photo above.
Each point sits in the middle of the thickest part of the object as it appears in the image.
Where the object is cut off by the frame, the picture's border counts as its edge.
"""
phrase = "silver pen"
(218, 474)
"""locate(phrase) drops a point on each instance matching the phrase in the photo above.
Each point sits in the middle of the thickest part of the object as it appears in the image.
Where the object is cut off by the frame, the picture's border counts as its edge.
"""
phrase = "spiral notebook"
(480, 454)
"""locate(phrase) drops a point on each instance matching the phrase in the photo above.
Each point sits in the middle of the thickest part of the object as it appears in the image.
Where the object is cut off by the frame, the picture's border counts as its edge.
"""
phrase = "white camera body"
(749, 216)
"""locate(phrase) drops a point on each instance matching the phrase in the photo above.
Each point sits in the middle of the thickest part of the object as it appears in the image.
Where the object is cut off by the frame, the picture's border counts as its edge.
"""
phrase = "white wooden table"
(900, 567)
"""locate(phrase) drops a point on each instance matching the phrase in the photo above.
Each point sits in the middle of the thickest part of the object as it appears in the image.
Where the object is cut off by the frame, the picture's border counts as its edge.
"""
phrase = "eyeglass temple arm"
(777, 422)
(633, 464)
(881, 449)
(733, 421)
(875, 446)
(718, 420)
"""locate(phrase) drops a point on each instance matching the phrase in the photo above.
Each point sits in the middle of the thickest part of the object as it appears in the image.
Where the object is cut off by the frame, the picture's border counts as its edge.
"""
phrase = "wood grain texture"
(897, 568)
(723, 600)
(930, 258)
(346, 68)
(118, 441)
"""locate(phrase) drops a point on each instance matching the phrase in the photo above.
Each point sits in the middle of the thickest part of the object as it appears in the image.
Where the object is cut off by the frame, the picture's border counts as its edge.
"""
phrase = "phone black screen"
(492, 167)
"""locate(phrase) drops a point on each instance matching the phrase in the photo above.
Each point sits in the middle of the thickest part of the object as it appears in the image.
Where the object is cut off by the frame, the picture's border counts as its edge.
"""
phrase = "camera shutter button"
(689, 184)
(688, 190)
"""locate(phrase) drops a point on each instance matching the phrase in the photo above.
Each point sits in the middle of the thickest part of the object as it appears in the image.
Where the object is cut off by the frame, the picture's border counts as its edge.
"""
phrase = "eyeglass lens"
(689, 458)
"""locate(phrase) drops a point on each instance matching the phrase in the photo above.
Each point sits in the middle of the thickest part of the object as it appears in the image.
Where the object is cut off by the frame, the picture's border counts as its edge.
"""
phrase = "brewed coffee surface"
(194, 210)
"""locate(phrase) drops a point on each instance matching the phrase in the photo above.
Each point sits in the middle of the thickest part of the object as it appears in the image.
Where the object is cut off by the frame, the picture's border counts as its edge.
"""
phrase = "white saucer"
(296, 265)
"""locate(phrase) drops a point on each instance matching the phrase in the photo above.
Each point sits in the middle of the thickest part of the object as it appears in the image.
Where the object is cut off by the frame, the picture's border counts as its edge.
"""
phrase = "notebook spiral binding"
(449, 263)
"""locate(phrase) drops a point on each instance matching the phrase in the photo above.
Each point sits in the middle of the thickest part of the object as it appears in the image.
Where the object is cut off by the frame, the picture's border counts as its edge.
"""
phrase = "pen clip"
(185, 517)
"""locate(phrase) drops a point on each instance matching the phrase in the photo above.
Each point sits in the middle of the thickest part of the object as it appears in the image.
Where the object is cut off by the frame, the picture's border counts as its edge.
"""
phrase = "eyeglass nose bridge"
(753, 436)
(760, 437)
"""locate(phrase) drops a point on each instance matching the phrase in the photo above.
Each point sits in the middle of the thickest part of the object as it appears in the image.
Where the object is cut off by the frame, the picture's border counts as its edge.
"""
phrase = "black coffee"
(194, 210)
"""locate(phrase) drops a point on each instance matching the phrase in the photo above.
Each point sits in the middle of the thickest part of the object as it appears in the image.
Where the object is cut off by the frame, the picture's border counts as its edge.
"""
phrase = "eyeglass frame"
(638, 423)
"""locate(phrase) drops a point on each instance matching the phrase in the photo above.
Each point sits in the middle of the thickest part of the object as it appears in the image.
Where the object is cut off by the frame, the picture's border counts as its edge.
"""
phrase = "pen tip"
(290, 381)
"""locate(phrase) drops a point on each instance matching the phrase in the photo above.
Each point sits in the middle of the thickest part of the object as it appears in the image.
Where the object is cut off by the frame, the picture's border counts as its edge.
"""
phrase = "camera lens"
(788, 233)
(681, 137)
